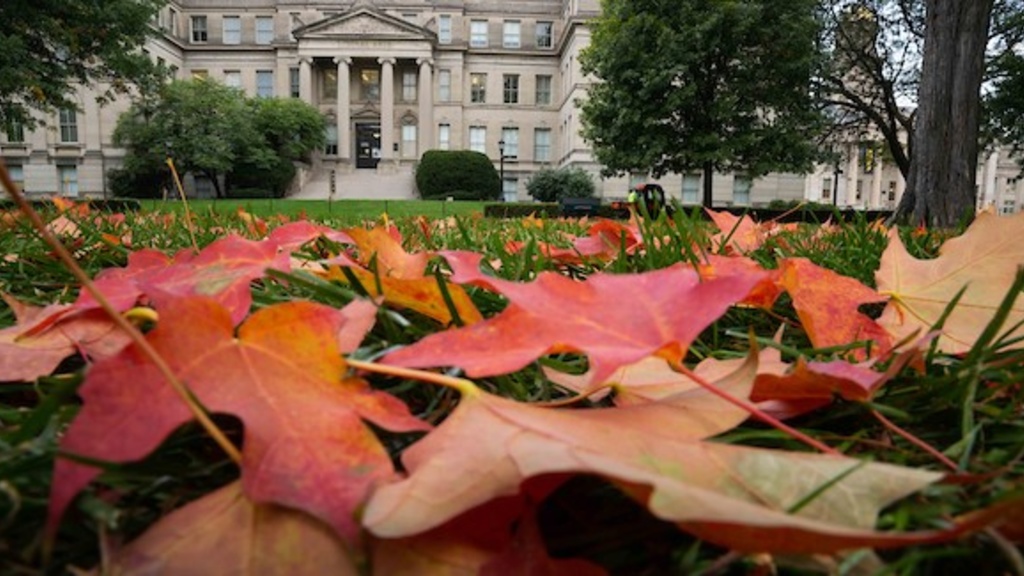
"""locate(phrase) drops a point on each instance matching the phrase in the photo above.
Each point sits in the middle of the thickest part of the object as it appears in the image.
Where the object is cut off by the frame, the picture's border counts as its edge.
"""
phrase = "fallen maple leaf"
(736, 234)
(226, 533)
(43, 337)
(392, 261)
(305, 444)
(827, 304)
(614, 319)
(984, 260)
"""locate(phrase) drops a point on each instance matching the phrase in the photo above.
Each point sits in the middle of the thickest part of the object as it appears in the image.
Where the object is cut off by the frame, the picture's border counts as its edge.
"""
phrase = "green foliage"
(50, 47)
(550, 185)
(693, 84)
(461, 174)
(213, 130)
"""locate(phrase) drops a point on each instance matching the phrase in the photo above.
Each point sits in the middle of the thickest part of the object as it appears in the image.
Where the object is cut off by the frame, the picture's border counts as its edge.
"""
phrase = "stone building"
(397, 77)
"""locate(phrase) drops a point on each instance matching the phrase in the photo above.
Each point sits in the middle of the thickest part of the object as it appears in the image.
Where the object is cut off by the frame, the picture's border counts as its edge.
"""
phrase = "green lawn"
(321, 209)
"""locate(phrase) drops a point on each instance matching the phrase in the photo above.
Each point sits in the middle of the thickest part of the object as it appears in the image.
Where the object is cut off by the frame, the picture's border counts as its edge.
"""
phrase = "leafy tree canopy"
(214, 130)
(702, 84)
(50, 46)
(550, 185)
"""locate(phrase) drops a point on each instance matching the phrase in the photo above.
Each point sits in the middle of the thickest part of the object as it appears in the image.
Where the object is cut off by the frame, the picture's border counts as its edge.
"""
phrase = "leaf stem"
(465, 387)
(894, 428)
(756, 412)
(120, 321)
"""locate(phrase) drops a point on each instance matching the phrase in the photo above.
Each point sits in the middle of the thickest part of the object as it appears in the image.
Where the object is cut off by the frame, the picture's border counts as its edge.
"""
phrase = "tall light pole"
(501, 166)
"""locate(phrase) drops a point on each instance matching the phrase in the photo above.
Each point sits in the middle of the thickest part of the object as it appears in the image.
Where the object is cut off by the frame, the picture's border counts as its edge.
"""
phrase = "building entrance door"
(367, 145)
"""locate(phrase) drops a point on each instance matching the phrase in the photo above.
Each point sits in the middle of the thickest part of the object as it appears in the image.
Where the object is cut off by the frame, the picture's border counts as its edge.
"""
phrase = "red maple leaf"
(305, 443)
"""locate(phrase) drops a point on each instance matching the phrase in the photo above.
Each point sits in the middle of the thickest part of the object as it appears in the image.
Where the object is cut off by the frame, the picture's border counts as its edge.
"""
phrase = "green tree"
(212, 130)
(1004, 104)
(48, 47)
(551, 185)
(706, 85)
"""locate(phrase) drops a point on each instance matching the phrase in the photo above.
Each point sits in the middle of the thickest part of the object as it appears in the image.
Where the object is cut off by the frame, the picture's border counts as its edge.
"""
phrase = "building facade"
(395, 78)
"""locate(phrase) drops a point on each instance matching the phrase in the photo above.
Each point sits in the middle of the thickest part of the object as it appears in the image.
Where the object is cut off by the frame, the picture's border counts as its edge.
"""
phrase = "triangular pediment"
(365, 22)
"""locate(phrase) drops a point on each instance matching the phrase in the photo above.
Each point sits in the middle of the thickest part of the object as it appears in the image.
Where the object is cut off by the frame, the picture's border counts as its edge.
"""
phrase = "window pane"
(544, 38)
(293, 82)
(264, 83)
(741, 190)
(408, 86)
(233, 78)
(478, 88)
(691, 188)
(511, 138)
(17, 175)
(68, 180)
(409, 141)
(15, 131)
(478, 33)
(511, 88)
(264, 29)
(543, 89)
(331, 133)
(329, 84)
(369, 83)
(68, 126)
(444, 136)
(444, 85)
(478, 139)
(542, 145)
(199, 29)
(232, 30)
(510, 39)
(444, 29)
(510, 189)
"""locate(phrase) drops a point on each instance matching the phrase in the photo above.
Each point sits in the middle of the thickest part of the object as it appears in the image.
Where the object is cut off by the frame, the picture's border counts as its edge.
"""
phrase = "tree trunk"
(709, 172)
(943, 168)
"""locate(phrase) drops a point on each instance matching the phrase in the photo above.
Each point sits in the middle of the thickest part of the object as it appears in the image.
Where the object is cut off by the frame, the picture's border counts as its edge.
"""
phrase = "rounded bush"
(550, 185)
(461, 174)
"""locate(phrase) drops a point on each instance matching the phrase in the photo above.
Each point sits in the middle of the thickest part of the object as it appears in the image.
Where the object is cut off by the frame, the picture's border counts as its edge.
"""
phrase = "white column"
(306, 79)
(343, 112)
(426, 116)
(387, 108)
(989, 194)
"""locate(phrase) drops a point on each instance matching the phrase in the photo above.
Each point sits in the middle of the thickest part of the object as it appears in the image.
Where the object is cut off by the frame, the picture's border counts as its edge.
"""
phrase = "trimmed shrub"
(126, 184)
(550, 185)
(461, 174)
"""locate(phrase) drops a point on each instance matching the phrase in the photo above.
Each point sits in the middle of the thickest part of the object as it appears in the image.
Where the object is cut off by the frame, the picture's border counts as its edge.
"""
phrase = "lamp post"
(836, 173)
(501, 166)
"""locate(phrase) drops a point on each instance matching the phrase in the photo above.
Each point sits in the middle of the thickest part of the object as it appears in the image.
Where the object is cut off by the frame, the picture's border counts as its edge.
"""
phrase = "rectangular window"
(408, 141)
(68, 126)
(691, 189)
(510, 36)
(199, 32)
(544, 35)
(369, 84)
(232, 30)
(860, 190)
(511, 138)
(478, 139)
(17, 173)
(510, 189)
(892, 191)
(511, 88)
(478, 33)
(826, 189)
(444, 137)
(264, 83)
(543, 89)
(329, 85)
(172, 21)
(67, 177)
(408, 86)
(542, 145)
(444, 29)
(444, 85)
(478, 88)
(264, 29)
(331, 136)
(741, 190)
(233, 78)
(293, 82)
(200, 74)
(15, 131)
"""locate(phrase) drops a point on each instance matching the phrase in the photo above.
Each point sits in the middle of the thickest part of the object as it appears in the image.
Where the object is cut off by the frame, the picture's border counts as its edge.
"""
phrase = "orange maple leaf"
(614, 319)
(305, 444)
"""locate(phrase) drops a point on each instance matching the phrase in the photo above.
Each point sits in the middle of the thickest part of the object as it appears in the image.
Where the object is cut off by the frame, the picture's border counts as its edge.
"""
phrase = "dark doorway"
(367, 145)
